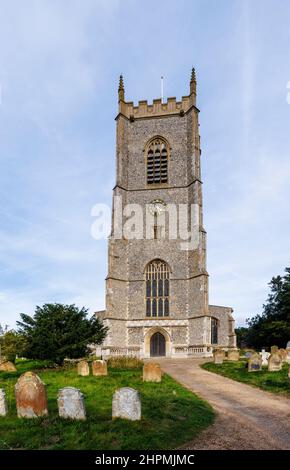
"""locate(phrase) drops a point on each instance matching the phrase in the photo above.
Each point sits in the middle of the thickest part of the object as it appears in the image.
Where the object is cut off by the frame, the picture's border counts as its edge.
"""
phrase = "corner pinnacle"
(193, 75)
(121, 89)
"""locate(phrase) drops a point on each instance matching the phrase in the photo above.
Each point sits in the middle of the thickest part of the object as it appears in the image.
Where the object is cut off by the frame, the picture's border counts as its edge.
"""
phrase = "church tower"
(157, 283)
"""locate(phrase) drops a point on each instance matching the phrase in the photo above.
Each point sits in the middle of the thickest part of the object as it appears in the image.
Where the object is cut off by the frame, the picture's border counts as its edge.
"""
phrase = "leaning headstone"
(83, 368)
(30, 394)
(152, 372)
(3, 403)
(126, 404)
(283, 353)
(70, 403)
(274, 362)
(7, 366)
(274, 349)
(248, 353)
(255, 363)
(218, 356)
(233, 355)
(99, 368)
(265, 356)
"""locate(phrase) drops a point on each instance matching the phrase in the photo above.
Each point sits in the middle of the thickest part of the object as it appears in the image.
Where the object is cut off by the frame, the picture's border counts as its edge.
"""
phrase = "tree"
(12, 343)
(57, 331)
(242, 336)
(272, 327)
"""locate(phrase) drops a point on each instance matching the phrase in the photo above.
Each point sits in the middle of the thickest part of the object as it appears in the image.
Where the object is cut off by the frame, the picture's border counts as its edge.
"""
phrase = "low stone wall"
(177, 351)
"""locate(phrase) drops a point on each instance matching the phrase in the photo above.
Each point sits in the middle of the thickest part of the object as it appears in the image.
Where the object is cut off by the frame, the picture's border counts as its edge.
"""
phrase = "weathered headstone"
(255, 363)
(7, 366)
(30, 394)
(233, 355)
(3, 403)
(70, 403)
(274, 349)
(274, 362)
(126, 404)
(218, 356)
(265, 356)
(152, 372)
(99, 368)
(283, 353)
(83, 368)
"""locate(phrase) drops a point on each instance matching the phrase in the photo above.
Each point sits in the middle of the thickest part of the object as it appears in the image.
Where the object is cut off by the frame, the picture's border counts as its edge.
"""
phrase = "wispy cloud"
(59, 66)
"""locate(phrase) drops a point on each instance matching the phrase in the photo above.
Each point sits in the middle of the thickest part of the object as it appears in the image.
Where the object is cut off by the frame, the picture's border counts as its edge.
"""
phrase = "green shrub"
(57, 331)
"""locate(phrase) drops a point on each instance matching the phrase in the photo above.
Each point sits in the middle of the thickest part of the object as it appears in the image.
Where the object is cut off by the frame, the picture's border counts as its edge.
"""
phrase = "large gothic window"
(214, 331)
(157, 289)
(157, 161)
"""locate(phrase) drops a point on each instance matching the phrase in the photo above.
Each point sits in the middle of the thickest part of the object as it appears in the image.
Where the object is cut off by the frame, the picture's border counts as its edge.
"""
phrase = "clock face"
(157, 207)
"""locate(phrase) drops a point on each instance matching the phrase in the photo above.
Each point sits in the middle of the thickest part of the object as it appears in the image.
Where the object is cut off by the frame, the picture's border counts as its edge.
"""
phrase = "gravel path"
(247, 417)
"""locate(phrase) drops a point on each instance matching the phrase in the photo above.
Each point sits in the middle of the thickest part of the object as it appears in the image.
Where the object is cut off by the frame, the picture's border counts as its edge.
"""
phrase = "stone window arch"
(157, 152)
(214, 330)
(157, 279)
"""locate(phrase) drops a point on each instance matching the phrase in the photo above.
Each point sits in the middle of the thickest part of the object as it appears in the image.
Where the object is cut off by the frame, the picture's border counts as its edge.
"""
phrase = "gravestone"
(218, 356)
(288, 345)
(274, 362)
(3, 403)
(99, 368)
(288, 356)
(265, 356)
(152, 372)
(274, 349)
(248, 354)
(126, 404)
(283, 353)
(70, 403)
(7, 366)
(255, 363)
(289, 372)
(30, 394)
(233, 355)
(83, 368)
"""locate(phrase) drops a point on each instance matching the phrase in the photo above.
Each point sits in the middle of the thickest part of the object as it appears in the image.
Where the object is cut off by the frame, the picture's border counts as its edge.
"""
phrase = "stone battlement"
(158, 108)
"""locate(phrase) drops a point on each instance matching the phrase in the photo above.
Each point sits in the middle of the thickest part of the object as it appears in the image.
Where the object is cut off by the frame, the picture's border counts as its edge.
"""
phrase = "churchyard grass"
(171, 415)
(276, 382)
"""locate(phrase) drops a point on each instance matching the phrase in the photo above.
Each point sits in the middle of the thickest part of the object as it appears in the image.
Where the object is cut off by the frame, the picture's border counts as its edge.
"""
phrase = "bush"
(58, 331)
(124, 362)
(12, 344)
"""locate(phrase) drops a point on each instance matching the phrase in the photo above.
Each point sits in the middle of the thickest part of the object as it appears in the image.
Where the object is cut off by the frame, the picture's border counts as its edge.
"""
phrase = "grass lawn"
(171, 415)
(277, 382)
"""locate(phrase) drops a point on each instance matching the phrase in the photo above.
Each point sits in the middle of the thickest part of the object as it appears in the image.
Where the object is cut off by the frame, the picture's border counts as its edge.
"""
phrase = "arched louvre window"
(157, 289)
(214, 331)
(157, 162)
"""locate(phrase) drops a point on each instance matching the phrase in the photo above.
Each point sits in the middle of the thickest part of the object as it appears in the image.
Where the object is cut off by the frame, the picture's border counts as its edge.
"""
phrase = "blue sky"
(59, 67)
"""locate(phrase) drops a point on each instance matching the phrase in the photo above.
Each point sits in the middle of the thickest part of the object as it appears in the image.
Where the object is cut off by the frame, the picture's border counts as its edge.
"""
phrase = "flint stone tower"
(156, 292)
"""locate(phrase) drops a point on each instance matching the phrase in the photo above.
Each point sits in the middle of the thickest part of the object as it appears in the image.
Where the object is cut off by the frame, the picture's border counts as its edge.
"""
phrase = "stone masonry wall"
(188, 322)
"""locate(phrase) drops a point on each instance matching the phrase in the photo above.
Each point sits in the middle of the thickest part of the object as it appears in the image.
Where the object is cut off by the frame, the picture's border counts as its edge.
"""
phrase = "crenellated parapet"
(157, 108)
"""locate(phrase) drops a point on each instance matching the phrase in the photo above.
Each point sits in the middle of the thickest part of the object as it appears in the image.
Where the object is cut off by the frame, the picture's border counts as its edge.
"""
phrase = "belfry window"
(157, 289)
(214, 331)
(157, 162)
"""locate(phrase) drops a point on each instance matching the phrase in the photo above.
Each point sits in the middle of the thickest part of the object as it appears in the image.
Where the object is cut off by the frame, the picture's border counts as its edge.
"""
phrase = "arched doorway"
(157, 345)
